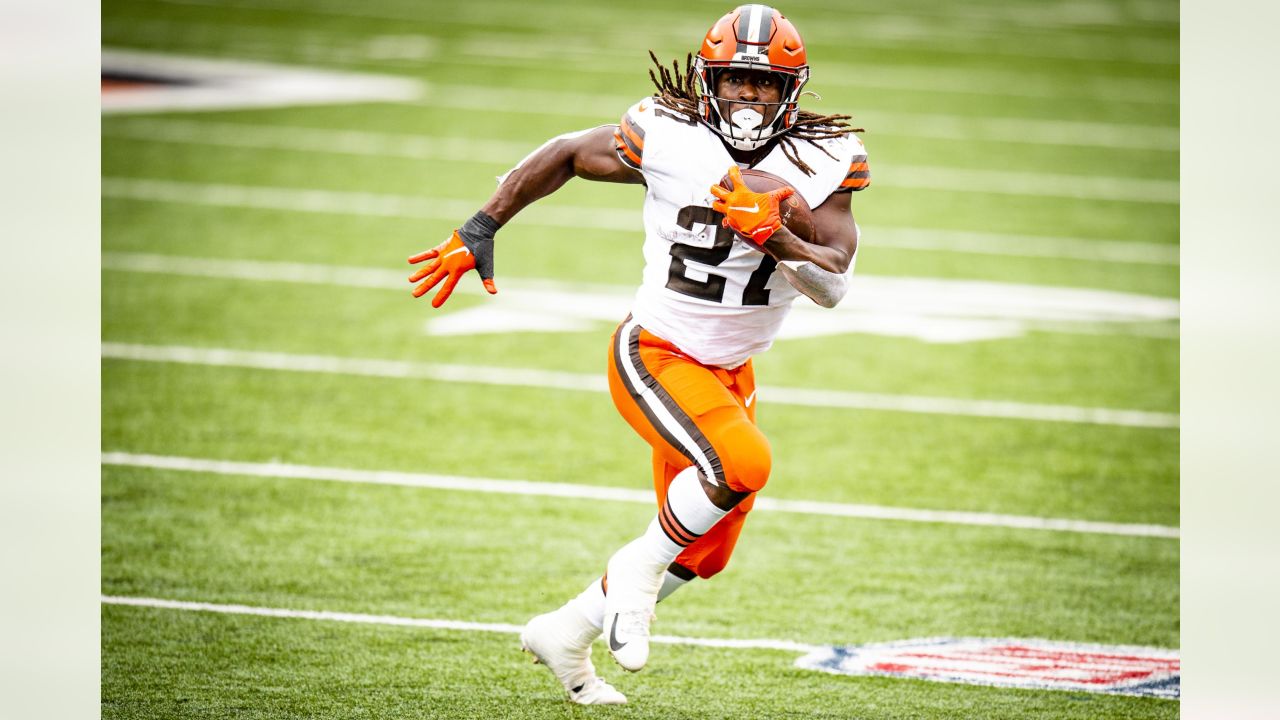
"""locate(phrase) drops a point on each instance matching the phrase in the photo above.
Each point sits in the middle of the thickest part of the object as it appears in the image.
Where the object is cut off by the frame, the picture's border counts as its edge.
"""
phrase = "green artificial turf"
(1062, 95)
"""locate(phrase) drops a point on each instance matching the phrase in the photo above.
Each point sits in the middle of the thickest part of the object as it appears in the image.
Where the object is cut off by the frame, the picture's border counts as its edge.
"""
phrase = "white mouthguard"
(747, 119)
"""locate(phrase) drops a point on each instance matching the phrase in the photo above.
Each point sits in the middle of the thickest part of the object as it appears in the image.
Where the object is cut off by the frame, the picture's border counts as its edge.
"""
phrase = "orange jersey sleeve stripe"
(859, 176)
(629, 143)
(633, 132)
(625, 153)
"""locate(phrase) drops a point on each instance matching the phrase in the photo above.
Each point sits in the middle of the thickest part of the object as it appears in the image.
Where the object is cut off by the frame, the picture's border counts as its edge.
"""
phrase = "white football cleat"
(633, 582)
(629, 637)
(597, 692)
(561, 640)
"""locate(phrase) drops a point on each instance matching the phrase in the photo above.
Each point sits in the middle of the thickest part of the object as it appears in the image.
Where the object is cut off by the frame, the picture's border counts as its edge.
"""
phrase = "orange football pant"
(691, 414)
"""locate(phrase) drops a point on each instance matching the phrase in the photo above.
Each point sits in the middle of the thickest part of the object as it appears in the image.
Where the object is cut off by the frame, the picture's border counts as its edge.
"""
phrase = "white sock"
(686, 515)
(590, 603)
(670, 584)
(639, 566)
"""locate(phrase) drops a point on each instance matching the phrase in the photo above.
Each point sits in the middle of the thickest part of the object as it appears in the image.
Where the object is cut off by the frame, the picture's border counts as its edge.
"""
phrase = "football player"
(721, 272)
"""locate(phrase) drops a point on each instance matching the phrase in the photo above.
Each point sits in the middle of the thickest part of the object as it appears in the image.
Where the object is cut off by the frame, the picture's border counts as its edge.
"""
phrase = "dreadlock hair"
(676, 93)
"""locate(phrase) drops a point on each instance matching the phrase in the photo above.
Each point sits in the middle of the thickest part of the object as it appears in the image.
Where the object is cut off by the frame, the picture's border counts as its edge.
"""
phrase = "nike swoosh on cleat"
(579, 688)
(753, 208)
(614, 645)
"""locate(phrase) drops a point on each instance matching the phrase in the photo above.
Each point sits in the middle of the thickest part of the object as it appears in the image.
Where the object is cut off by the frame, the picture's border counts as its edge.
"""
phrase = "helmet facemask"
(746, 129)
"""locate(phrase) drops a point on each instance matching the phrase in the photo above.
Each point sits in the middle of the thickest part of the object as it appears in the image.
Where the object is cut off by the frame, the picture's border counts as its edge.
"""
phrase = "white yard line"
(1066, 132)
(319, 140)
(590, 492)
(929, 309)
(368, 204)
(443, 148)
(215, 84)
(547, 379)
(460, 625)
(507, 153)
(355, 203)
(594, 107)
(875, 29)
(1030, 246)
(402, 51)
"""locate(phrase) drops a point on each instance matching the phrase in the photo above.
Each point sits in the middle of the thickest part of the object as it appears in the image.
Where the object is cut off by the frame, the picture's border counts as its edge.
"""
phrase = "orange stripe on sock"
(673, 528)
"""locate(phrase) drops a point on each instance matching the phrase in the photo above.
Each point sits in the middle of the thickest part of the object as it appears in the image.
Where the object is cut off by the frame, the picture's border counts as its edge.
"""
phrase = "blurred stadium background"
(1010, 349)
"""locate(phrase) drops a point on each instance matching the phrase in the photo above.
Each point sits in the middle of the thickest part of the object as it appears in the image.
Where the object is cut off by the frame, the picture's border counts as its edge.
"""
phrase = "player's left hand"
(450, 260)
(752, 215)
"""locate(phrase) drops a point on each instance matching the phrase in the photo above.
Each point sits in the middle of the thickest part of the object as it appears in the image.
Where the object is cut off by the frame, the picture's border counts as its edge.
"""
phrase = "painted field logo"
(1039, 664)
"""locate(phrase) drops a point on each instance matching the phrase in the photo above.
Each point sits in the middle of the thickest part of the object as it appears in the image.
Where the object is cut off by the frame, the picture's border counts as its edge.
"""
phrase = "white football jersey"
(714, 296)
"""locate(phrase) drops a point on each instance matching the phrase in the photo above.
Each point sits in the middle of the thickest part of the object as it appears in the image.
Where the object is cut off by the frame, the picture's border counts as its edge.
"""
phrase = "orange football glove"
(450, 259)
(752, 215)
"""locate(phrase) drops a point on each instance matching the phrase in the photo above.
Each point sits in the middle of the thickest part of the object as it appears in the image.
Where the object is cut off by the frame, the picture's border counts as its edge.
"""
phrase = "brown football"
(794, 211)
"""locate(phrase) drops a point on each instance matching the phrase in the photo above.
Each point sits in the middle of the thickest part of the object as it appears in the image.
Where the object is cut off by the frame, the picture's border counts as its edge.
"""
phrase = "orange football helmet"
(751, 37)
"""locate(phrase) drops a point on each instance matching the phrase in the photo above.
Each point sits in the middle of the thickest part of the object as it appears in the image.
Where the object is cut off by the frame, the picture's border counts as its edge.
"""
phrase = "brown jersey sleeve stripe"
(636, 150)
(629, 141)
(634, 131)
(858, 177)
(628, 156)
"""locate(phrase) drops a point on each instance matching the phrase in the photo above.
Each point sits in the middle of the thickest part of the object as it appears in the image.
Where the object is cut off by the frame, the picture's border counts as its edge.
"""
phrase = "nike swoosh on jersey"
(455, 252)
(613, 636)
(753, 208)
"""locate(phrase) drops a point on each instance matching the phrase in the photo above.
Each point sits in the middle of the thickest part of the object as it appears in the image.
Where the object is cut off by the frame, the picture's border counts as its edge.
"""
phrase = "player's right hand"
(752, 215)
(450, 260)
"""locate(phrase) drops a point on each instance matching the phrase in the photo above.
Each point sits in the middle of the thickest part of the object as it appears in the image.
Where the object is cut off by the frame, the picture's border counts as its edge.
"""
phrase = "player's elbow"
(830, 297)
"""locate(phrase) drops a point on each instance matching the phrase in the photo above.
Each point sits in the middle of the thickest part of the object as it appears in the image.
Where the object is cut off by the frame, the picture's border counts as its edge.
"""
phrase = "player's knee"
(711, 565)
(749, 459)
